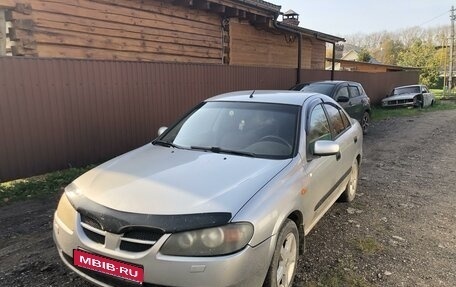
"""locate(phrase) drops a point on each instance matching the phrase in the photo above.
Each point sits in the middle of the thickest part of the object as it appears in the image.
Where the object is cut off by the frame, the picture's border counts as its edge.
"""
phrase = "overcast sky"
(346, 17)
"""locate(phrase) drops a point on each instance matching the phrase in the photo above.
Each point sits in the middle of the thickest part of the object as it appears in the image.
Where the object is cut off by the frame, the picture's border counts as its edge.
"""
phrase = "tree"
(364, 55)
(388, 51)
(422, 55)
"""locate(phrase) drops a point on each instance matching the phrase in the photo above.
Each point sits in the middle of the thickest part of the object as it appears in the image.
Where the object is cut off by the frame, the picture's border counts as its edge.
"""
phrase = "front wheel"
(282, 270)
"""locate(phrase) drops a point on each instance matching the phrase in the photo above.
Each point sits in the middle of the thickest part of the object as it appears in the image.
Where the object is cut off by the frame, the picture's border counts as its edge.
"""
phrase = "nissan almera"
(224, 197)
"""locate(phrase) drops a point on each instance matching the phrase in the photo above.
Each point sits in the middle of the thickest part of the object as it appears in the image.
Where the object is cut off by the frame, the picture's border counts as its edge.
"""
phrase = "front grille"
(93, 229)
(134, 239)
(108, 279)
(91, 221)
(98, 238)
(138, 240)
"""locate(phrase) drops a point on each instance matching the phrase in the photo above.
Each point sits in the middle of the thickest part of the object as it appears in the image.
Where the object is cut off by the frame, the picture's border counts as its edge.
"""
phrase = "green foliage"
(389, 51)
(364, 55)
(422, 55)
(38, 186)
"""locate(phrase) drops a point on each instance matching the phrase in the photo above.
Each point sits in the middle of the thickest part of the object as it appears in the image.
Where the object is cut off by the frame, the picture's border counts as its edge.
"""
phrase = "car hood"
(401, 97)
(166, 181)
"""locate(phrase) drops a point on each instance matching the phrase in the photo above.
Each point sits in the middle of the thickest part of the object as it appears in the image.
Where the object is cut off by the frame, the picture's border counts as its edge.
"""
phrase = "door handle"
(355, 139)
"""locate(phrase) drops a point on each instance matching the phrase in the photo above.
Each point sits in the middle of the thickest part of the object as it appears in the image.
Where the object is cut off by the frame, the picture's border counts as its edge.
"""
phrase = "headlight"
(209, 242)
(66, 212)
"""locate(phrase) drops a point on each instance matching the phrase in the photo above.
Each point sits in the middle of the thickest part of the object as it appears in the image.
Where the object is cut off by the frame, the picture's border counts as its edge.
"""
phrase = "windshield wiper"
(216, 149)
(165, 143)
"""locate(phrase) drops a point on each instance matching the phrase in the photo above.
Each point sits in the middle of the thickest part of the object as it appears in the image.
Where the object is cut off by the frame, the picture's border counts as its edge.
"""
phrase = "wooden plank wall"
(115, 29)
(257, 47)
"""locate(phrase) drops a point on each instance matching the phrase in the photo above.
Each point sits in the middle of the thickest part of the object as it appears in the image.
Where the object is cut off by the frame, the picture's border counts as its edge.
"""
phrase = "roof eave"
(319, 35)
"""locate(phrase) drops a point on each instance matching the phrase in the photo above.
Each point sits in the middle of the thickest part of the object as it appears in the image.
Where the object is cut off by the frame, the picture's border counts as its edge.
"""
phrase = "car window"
(342, 92)
(425, 90)
(354, 92)
(345, 119)
(322, 88)
(318, 128)
(337, 124)
(261, 129)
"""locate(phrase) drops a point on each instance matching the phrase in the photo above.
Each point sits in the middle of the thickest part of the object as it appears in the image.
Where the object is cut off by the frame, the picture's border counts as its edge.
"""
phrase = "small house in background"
(347, 59)
(231, 32)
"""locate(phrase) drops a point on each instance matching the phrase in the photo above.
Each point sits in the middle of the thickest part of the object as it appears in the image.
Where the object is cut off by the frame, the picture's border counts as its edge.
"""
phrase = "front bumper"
(399, 103)
(247, 267)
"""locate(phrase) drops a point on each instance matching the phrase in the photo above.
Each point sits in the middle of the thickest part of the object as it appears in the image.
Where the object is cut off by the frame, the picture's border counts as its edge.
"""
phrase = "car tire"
(350, 190)
(365, 121)
(282, 270)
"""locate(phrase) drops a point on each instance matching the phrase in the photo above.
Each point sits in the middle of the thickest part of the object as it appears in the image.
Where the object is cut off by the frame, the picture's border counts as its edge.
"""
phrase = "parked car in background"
(222, 198)
(350, 95)
(409, 96)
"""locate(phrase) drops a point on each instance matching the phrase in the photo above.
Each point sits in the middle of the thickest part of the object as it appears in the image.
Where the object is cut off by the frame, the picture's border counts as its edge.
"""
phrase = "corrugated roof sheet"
(262, 4)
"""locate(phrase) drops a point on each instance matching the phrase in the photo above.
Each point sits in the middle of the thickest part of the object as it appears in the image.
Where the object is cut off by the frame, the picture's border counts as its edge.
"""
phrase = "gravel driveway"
(399, 231)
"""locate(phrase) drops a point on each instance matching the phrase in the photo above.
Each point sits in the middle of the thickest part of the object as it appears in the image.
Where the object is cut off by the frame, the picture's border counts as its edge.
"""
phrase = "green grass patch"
(385, 113)
(341, 275)
(368, 245)
(38, 186)
(438, 93)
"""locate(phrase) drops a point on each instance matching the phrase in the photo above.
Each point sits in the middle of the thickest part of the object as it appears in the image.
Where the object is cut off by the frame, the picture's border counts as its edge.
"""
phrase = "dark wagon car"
(350, 95)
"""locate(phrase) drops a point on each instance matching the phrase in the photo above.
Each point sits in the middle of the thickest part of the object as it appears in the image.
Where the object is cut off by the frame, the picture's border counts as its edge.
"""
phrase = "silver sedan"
(409, 96)
(224, 197)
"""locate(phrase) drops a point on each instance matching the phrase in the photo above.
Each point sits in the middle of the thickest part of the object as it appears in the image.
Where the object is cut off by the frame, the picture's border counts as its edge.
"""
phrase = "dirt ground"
(399, 231)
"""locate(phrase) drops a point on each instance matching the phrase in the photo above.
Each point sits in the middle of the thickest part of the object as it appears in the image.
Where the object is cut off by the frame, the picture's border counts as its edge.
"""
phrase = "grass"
(38, 186)
(341, 275)
(368, 245)
(382, 113)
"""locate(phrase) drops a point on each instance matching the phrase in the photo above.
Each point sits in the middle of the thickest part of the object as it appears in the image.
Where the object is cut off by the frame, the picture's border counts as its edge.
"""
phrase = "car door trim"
(331, 191)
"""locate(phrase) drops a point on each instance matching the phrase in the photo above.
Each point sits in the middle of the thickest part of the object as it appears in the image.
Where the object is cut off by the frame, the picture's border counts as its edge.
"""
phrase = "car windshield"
(246, 129)
(324, 89)
(406, 90)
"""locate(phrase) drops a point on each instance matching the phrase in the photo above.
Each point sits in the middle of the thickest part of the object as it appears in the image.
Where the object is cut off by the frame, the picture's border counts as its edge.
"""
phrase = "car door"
(316, 180)
(427, 97)
(342, 91)
(355, 102)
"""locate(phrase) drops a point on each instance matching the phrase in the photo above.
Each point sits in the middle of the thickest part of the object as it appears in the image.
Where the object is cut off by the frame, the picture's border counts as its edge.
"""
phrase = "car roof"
(333, 82)
(263, 96)
(409, 86)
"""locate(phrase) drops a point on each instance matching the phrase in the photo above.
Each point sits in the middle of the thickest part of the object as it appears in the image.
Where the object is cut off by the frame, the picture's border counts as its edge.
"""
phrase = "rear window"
(324, 89)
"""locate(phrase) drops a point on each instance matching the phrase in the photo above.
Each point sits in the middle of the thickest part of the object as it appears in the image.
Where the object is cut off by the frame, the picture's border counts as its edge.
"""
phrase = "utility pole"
(450, 74)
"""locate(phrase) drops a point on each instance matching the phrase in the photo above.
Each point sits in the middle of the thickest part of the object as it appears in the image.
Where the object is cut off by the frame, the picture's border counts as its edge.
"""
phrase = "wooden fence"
(57, 113)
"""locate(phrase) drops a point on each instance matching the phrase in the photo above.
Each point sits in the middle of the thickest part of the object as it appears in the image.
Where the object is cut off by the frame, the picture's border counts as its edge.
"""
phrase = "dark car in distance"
(350, 95)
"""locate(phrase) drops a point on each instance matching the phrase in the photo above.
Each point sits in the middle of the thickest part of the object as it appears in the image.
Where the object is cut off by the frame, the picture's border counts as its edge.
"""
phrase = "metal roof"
(262, 4)
(316, 34)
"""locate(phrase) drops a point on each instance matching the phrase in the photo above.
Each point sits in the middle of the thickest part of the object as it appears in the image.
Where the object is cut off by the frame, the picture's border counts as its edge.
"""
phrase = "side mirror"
(343, 99)
(161, 130)
(325, 148)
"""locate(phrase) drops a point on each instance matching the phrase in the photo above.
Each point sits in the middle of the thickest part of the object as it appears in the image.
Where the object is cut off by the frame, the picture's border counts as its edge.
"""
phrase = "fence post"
(2, 33)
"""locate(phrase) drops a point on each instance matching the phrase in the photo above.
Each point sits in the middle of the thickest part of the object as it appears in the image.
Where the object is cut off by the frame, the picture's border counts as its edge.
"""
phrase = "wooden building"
(234, 32)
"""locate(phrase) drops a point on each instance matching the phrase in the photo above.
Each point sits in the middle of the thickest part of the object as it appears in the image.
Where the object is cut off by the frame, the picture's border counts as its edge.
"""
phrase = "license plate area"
(110, 266)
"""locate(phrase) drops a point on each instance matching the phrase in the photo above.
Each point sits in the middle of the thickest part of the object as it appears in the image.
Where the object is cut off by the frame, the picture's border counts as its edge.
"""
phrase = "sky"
(348, 17)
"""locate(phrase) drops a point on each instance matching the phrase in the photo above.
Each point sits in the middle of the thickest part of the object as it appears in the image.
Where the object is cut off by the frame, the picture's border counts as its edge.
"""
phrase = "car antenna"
(251, 95)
